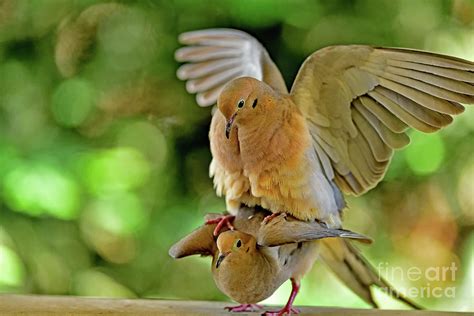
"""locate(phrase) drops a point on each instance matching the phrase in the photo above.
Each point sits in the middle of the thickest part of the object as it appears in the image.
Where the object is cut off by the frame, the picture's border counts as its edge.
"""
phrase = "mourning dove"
(252, 261)
(333, 133)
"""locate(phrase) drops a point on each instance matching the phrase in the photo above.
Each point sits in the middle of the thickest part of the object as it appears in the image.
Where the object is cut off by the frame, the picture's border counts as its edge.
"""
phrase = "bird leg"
(288, 309)
(221, 221)
(244, 308)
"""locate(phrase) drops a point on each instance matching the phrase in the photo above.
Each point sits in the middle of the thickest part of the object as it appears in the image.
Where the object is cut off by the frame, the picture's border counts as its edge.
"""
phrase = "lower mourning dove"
(250, 263)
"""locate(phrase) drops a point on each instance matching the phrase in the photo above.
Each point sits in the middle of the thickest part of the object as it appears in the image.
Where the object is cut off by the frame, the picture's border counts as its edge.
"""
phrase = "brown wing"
(286, 230)
(199, 242)
(202, 241)
(360, 100)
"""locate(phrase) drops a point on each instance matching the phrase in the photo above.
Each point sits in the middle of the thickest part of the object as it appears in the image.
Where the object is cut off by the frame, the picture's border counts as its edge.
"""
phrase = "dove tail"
(355, 271)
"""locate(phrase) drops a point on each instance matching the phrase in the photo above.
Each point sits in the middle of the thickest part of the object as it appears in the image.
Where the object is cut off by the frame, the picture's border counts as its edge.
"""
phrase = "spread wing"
(359, 102)
(199, 242)
(202, 241)
(217, 56)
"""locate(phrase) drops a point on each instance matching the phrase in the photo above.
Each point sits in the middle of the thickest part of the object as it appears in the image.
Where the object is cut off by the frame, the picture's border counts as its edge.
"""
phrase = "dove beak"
(220, 259)
(228, 126)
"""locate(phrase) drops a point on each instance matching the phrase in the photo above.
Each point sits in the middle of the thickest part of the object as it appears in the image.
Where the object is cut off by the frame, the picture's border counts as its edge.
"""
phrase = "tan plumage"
(271, 253)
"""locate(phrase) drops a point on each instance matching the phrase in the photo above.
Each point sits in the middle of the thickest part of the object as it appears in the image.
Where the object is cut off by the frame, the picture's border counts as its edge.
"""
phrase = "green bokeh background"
(104, 156)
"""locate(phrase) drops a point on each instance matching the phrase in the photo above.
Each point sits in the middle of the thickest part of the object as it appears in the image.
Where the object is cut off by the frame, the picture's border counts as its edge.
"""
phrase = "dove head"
(244, 100)
(233, 244)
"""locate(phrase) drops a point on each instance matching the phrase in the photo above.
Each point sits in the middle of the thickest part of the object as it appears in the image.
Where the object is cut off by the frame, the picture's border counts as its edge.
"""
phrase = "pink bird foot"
(221, 221)
(268, 218)
(283, 311)
(288, 309)
(244, 308)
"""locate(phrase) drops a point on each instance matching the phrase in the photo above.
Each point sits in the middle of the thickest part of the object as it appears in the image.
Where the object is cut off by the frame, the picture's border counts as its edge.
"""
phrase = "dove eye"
(241, 104)
(238, 243)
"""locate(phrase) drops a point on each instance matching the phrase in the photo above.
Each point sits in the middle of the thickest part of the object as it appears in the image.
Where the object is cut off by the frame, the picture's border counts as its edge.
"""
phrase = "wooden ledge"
(69, 305)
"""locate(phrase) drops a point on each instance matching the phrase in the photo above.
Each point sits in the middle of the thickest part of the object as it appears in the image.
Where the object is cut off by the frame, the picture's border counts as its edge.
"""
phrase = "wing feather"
(405, 85)
(423, 57)
(211, 81)
(392, 139)
(197, 70)
(385, 116)
(380, 150)
(458, 75)
(463, 90)
(423, 114)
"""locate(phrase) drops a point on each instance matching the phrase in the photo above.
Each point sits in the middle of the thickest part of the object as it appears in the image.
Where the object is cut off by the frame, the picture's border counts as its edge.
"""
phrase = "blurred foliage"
(104, 156)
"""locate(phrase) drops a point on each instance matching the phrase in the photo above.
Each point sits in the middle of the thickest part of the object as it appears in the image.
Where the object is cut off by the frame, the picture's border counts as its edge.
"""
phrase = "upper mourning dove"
(251, 262)
(334, 132)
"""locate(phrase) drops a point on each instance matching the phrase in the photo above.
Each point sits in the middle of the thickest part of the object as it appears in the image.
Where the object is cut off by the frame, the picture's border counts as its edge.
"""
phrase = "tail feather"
(347, 262)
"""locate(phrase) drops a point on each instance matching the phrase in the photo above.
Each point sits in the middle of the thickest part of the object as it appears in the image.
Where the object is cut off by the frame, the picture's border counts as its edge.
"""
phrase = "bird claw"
(288, 309)
(284, 311)
(268, 218)
(221, 221)
(244, 308)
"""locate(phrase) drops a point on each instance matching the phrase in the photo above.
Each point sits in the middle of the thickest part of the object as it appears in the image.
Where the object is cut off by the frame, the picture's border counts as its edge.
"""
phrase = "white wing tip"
(203, 101)
(184, 37)
(181, 74)
(179, 54)
(191, 87)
